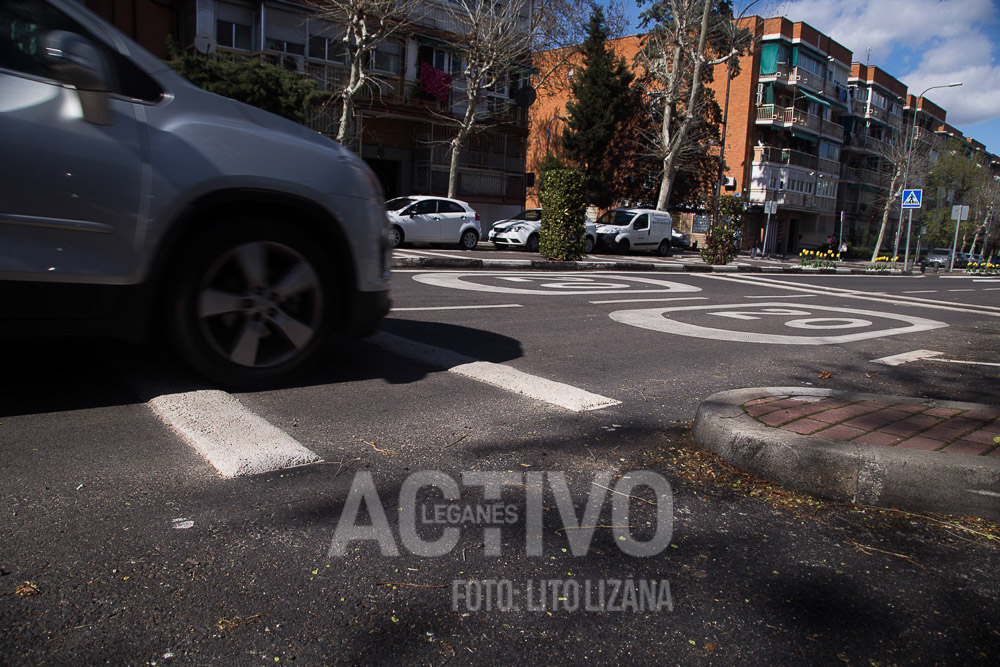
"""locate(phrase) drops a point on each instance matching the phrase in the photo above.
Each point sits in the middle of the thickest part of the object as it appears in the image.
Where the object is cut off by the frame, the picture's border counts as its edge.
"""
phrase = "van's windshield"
(616, 217)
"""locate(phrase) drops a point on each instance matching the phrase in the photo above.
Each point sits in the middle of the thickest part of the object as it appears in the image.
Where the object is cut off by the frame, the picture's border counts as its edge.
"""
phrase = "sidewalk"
(743, 264)
(889, 451)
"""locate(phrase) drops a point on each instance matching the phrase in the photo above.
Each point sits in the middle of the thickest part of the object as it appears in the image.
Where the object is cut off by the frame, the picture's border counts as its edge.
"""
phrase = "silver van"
(132, 201)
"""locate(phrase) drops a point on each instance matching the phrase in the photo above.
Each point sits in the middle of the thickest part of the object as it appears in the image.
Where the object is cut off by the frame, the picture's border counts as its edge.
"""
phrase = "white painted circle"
(829, 323)
(658, 319)
(548, 284)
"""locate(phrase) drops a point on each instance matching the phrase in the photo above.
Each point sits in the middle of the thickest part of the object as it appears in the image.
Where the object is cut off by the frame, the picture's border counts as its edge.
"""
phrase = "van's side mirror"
(76, 61)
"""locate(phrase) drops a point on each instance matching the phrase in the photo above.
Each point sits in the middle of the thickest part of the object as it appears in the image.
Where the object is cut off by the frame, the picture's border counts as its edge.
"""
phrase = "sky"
(922, 43)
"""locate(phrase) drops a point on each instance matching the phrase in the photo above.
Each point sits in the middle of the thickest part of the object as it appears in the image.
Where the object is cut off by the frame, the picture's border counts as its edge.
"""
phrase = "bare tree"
(893, 157)
(492, 39)
(676, 58)
(363, 25)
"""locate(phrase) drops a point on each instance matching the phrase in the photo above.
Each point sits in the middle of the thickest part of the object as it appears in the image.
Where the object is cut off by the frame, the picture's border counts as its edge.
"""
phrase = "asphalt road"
(141, 552)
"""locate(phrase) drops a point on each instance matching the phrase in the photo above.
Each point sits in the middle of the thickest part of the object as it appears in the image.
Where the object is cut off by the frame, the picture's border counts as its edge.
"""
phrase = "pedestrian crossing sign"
(912, 198)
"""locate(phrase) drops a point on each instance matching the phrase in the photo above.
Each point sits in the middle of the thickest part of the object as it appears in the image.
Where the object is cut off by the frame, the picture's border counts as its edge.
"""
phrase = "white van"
(622, 229)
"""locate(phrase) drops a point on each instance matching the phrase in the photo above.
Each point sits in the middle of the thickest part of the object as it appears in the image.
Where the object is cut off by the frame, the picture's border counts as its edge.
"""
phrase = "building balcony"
(798, 201)
(784, 156)
(807, 79)
(865, 143)
(796, 118)
(869, 176)
(788, 116)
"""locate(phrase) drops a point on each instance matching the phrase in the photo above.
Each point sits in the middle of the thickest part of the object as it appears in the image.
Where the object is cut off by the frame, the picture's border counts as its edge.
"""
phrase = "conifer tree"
(598, 106)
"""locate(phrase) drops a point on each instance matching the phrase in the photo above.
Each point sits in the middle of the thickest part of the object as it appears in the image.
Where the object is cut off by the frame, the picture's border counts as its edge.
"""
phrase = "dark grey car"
(131, 199)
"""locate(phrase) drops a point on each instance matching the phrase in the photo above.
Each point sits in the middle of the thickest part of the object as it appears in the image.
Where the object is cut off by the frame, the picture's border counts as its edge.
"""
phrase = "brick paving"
(883, 422)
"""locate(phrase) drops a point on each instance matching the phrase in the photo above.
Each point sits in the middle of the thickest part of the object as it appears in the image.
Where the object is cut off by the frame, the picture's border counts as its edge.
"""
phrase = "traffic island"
(885, 451)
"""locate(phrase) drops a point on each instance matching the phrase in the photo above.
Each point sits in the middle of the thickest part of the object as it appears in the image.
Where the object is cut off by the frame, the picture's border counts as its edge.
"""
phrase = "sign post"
(958, 214)
(911, 199)
(769, 208)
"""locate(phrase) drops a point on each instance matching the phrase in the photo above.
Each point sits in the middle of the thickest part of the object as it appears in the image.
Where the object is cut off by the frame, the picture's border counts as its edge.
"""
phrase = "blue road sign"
(912, 198)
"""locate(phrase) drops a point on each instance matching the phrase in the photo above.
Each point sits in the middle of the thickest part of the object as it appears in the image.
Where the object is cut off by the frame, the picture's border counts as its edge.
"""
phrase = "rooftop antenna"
(868, 57)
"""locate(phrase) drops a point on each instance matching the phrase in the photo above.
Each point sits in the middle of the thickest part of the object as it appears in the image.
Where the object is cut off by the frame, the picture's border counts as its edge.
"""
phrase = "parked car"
(134, 201)
(423, 219)
(680, 239)
(622, 229)
(522, 231)
(938, 258)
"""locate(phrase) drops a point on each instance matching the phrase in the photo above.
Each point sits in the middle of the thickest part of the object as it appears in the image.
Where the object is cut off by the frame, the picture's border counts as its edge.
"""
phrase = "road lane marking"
(555, 393)
(547, 284)
(927, 355)
(780, 296)
(864, 296)
(921, 291)
(962, 290)
(233, 439)
(658, 319)
(906, 357)
(668, 298)
(971, 363)
(498, 305)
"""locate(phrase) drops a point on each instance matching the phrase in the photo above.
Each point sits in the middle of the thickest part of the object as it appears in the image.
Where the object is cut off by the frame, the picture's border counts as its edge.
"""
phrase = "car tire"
(623, 247)
(588, 245)
(395, 236)
(469, 240)
(252, 302)
(663, 250)
(531, 245)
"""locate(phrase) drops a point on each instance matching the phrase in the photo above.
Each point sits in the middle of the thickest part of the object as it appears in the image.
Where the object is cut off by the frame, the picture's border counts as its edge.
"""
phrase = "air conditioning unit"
(729, 181)
(760, 94)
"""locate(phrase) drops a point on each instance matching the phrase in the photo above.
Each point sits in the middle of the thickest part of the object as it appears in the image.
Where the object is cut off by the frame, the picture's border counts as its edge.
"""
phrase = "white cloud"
(950, 38)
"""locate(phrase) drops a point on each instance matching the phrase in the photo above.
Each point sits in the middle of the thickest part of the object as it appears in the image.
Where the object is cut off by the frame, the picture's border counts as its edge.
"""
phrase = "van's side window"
(642, 222)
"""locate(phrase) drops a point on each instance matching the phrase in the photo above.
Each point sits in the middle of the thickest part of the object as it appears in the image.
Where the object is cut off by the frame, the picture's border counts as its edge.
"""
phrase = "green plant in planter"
(720, 241)
(564, 206)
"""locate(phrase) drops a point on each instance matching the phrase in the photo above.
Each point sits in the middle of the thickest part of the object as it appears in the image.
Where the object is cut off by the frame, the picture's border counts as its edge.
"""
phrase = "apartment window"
(327, 48)
(286, 47)
(386, 58)
(233, 35)
(829, 151)
(446, 62)
(811, 64)
(877, 99)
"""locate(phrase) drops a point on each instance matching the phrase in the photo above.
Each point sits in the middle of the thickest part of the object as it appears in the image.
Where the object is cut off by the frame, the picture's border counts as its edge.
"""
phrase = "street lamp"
(906, 172)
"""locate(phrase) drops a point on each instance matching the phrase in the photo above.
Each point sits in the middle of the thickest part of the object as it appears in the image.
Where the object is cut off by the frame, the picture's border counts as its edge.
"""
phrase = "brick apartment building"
(808, 128)
(400, 132)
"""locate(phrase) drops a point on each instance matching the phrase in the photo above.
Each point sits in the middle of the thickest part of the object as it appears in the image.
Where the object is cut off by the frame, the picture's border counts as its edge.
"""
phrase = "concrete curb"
(848, 471)
(549, 265)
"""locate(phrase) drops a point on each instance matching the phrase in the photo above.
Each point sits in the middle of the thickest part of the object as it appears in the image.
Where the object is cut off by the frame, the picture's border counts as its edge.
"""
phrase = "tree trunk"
(675, 142)
(456, 144)
(896, 177)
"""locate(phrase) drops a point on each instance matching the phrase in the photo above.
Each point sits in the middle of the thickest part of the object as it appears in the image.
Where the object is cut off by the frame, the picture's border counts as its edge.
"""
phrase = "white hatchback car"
(423, 219)
(522, 231)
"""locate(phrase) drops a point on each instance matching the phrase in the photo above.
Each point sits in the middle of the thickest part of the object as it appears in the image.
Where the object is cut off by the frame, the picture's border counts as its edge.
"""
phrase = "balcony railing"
(828, 166)
(832, 130)
(806, 78)
(867, 176)
(866, 143)
(784, 156)
(872, 111)
(772, 113)
(795, 200)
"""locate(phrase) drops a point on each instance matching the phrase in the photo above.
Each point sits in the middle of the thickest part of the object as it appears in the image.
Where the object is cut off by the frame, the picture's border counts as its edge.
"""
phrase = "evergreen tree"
(599, 104)
(265, 86)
